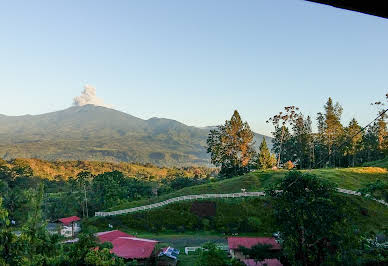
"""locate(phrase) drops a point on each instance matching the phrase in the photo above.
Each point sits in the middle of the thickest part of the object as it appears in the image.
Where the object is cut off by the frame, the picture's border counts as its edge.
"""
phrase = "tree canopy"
(231, 146)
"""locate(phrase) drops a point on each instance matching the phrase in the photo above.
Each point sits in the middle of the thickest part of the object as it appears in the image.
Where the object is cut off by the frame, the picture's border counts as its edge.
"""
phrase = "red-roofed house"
(129, 247)
(109, 236)
(133, 248)
(234, 243)
(69, 226)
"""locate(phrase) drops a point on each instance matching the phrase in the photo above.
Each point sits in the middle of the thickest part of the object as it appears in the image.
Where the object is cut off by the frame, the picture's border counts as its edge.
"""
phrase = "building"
(109, 236)
(234, 243)
(69, 226)
(130, 247)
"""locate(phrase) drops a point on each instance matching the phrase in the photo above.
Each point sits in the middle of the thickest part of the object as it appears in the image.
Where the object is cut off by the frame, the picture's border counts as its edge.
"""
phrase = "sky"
(192, 61)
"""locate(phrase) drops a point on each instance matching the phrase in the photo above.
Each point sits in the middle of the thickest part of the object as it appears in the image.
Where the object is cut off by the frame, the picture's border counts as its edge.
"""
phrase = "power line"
(346, 141)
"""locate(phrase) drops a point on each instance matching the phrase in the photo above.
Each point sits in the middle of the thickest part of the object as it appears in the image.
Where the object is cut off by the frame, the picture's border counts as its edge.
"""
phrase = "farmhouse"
(69, 226)
(109, 236)
(130, 247)
(234, 243)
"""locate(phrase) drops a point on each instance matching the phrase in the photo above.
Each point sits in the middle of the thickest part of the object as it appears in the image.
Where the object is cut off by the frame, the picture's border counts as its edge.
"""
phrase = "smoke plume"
(88, 96)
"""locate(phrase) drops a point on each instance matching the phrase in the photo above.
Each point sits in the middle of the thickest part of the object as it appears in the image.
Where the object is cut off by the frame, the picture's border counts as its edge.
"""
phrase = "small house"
(109, 236)
(69, 226)
(234, 244)
(130, 247)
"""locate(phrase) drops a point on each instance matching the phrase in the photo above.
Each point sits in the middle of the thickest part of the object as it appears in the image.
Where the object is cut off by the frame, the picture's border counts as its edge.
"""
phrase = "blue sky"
(192, 61)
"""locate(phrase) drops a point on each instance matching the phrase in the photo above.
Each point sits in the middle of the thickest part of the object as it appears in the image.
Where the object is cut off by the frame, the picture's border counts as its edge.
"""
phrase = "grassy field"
(349, 178)
(380, 163)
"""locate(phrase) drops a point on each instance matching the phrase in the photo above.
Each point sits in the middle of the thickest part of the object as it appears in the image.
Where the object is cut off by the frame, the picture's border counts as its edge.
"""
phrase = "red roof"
(111, 235)
(268, 262)
(68, 220)
(133, 248)
(248, 242)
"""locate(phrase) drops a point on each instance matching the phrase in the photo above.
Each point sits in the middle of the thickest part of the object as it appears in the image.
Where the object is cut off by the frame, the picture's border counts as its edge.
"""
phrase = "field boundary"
(211, 196)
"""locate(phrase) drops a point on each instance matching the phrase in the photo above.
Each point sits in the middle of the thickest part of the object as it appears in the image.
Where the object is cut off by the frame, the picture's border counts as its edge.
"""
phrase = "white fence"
(210, 196)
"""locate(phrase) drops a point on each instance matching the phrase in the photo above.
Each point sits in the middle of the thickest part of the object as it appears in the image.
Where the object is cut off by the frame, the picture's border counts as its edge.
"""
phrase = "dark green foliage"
(333, 145)
(110, 188)
(265, 158)
(251, 215)
(212, 256)
(313, 223)
(260, 252)
(378, 189)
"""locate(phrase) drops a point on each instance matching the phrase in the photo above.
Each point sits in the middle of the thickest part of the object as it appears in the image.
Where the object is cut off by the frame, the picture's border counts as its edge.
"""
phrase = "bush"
(289, 165)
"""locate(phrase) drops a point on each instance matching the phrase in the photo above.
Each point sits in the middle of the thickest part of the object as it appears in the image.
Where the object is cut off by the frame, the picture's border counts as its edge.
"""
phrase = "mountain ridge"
(98, 133)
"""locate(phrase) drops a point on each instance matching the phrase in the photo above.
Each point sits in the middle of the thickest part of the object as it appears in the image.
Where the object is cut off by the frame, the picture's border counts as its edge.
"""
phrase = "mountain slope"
(98, 133)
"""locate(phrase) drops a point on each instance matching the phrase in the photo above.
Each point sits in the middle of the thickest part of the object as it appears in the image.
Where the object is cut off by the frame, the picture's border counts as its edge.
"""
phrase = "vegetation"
(348, 178)
(95, 133)
(314, 226)
(213, 256)
(231, 146)
(253, 216)
(266, 159)
(333, 145)
(260, 252)
(62, 170)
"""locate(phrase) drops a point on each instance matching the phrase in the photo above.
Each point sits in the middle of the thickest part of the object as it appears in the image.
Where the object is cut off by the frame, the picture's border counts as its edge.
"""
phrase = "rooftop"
(248, 242)
(68, 220)
(133, 248)
(111, 235)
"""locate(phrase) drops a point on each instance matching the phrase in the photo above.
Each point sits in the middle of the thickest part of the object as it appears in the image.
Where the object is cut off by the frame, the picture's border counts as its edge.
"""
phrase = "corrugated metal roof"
(68, 220)
(248, 242)
(133, 248)
(111, 235)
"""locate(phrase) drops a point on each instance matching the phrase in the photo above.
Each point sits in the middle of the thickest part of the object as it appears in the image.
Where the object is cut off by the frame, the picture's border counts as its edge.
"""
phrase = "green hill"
(380, 163)
(97, 133)
(348, 178)
(245, 215)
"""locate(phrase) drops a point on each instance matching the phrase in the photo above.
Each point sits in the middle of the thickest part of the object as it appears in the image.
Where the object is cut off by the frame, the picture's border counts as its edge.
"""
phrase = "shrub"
(289, 165)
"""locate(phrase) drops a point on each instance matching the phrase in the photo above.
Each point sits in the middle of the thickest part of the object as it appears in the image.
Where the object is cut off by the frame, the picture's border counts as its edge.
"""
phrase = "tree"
(311, 220)
(266, 159)
(231, 146)
(103, 257)
(83, 180)
(211, 255)
(382, 134)
(302, 141)
(280, 122)
(353, 140)
(260, 252)
(288, 165)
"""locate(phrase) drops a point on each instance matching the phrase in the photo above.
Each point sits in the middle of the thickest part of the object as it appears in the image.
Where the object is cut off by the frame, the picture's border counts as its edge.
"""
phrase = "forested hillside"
(101, 134)
(62, 170)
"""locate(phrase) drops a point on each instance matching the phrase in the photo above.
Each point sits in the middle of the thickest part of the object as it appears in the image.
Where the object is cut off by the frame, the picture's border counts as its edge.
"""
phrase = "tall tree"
(353, 140)
(280, 122)
(311, 220)
(302, 141)
(266, 159)
(83, 181)
(332, 129)
(231, 146)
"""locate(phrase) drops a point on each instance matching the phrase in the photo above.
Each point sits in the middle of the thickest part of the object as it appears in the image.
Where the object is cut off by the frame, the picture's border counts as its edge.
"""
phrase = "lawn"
(348, 178)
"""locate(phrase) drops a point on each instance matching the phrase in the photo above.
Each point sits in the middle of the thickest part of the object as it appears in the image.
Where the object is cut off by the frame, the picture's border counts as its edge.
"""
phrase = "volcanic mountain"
(97, 133)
